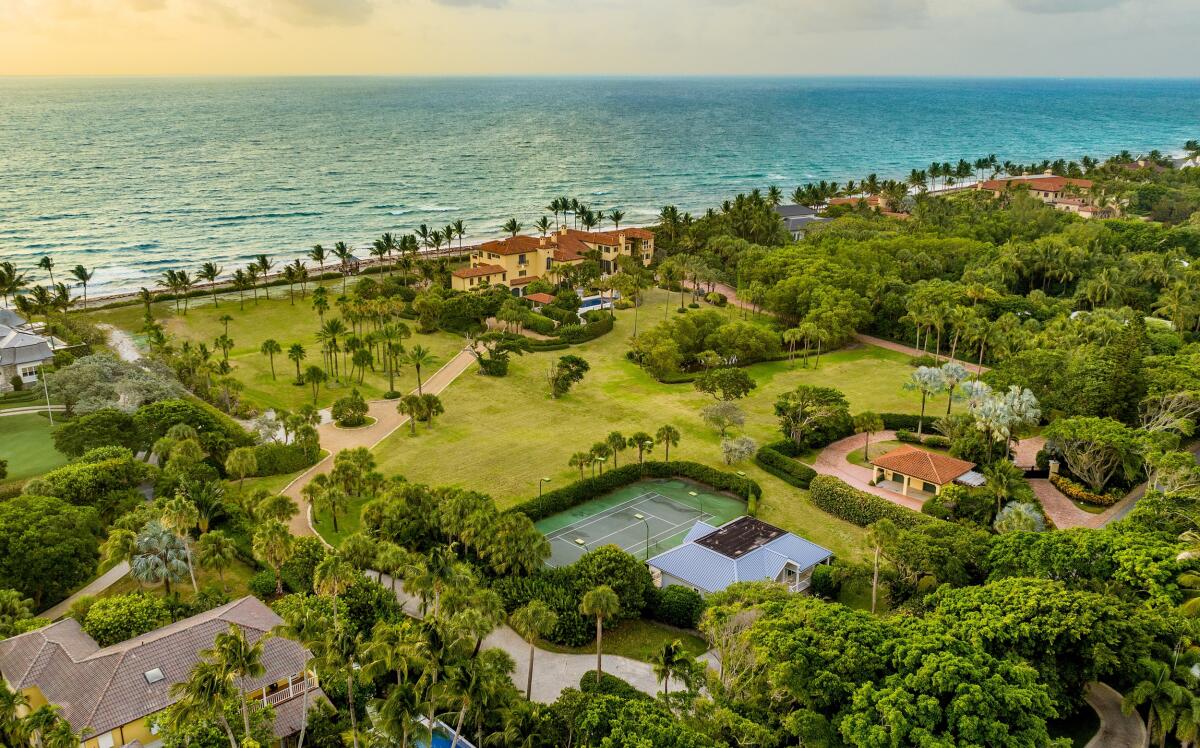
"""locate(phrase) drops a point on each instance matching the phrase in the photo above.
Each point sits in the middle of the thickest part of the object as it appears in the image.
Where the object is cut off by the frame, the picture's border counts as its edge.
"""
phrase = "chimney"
(542, 242)
(563, 230)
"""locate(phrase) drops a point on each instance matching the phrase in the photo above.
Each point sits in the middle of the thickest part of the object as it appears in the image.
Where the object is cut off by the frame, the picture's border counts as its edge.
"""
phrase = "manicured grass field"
(25, 442)
(28, 398)
(499, 435)
(637, 639)
(277, 318)
(237, 576)
(348, 523)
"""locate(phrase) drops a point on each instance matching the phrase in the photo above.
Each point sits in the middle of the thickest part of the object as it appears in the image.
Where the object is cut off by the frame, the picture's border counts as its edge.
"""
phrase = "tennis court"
(667, 510)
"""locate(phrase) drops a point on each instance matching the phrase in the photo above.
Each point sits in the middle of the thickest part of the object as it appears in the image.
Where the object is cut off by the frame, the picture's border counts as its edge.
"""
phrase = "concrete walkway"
(1117, 729)
(95, 587)
(832, 461)
(908, 350)
(387, 420)
(32, 410)
(552, 671)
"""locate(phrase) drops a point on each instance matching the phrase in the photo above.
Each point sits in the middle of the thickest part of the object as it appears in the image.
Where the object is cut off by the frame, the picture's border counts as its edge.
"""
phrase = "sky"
(1094, 38)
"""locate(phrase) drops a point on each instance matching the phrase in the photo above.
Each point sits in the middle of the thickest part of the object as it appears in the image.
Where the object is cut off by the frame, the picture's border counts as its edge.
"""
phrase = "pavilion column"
(904, 490)
(874, 473)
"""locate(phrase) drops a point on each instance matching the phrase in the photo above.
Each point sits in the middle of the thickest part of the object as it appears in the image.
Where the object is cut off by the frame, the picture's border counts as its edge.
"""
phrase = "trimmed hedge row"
(859, 507)
(278, 459)
(1073, 490)
(775, 459)
(904, 421)
(567, 497)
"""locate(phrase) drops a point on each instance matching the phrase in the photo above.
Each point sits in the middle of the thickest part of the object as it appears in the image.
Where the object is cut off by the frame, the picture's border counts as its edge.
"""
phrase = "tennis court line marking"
(615, 510)
(641, 545)
(607, 513)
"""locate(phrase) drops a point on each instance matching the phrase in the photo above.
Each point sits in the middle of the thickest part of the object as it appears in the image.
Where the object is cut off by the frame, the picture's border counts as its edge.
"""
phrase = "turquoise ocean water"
(135, 176)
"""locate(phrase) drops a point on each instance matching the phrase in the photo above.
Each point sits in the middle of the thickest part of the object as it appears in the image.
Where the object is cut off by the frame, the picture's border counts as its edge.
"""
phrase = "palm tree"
(878, 534)
(616, 443)
(868, 423)
(181, 515)
(460, 230)
(47, 264)
(264, 268)
(315, 376)
(580, 460)
(120, 545)
(616, 216)
(304, 625)
(210, 271)
(207, 692)
(269, 348)
(318, 255)
(643, 442)
(332, 577)
(240, 661)
(531, 622)
(1161, 694)
(296, 354)
(412, 406)
(602, 603)
(542, 225)
(928, 381)
(273, 545)
(160, 556)
(215, 550)
(512, 226)
(344, 255)
(419, 356)
(672, 660)
(668, 436)
(83, 276)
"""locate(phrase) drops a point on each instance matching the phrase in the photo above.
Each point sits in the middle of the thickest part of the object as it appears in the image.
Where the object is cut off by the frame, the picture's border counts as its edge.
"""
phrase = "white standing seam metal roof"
(710, 571)
(17, 347)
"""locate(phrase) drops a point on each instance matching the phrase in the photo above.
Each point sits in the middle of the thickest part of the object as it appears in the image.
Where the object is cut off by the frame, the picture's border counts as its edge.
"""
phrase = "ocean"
(135, 176)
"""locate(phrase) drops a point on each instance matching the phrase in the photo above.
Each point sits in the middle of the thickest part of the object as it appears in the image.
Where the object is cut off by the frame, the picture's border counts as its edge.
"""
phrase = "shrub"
(556, 588)
(574, 494)
(1073, 490)
(98, 473)
(576, 334)
(219, 434)
(905, 421)
(678, 606)
(859, 507)
(937, 441)
(280, 459)
(539, 323)
(906, 436)
(122, 617)
(693, 305)
(924, 360)
(350, 410)
(773, 459)
(100, 428)
(298, 570)
(548, 345)
(626, 575)
(262, 585)
(716, 299)
(825, 582)
(609, 685)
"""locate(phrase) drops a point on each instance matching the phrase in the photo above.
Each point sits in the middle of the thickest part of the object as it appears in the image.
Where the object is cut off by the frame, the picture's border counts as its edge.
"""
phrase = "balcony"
(800, 586)
(296, 688)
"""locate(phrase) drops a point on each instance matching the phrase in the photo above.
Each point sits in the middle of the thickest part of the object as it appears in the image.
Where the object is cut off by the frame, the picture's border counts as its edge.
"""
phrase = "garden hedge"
(278, 459)
(776, 459)
(562, 499)
(904, 421)
(859, 507)
(610, 685)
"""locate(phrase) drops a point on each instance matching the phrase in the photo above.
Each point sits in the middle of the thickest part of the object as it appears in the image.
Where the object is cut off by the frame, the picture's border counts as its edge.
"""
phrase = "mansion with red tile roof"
(517, 261)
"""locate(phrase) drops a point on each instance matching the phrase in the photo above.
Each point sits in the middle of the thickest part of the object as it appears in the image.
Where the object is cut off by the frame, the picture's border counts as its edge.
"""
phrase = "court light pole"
(540, 482)
(701, 498)
(646, 551)
(579, 542)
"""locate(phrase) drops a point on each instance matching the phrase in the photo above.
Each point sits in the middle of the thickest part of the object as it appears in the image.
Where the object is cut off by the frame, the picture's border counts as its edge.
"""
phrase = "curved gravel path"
(832, 461)
(1117, 729)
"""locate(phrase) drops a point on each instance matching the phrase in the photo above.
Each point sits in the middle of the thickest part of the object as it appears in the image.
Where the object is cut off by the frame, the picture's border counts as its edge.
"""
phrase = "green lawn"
(26, 398)
(499, 435)
(348, 523)
(236, 578)
(276, 318)
(883, 447)
(26, 444)
(637, 639)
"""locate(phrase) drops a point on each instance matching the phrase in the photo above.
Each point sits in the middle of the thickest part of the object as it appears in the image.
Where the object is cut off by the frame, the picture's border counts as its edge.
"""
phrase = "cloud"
(321, 12)
(472, 3)
(1064, 6)
(857, 15)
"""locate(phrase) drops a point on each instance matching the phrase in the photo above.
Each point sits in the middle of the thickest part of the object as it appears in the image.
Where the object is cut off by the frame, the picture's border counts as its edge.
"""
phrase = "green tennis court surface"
(668, 510)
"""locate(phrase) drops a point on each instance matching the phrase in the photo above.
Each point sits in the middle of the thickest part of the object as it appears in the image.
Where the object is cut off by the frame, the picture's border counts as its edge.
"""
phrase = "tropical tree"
(332, 577)
(431, 405)
(868, 423)
(532, 621)
(580, 460)
(207, 693)
(512, 227)
(297, 354)
(273, 545)
(616, 443)
(215, 550)
(240, 662)
(928, 381)
(180, 515)
(412, 406)
(210, 271)
(642, 442)
(1162, 696)
(269, 348)
(672, 660)
(315, 376)
(878, 534)
(83, 276)
(601, 603)
(419, 357)
(241, 463)
(668, 436)
(160, 556)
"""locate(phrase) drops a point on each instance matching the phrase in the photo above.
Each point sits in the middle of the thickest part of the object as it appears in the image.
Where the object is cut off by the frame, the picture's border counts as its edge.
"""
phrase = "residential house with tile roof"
(517, 261)
(111, 693)
(741, 550)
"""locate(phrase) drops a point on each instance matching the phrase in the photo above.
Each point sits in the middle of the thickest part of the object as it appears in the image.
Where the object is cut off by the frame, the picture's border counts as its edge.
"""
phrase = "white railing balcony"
(293, 690)
(800, 585)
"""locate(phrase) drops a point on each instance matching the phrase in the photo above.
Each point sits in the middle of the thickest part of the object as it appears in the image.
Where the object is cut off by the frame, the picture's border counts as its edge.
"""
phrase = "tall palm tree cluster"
(21, 725)
(582, 216)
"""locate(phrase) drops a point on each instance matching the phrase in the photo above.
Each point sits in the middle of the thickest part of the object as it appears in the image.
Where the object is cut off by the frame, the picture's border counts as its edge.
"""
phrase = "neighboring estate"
(907, 468)
(517, 261)
(741, 550)
(22, 350)
(110, 693)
